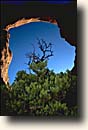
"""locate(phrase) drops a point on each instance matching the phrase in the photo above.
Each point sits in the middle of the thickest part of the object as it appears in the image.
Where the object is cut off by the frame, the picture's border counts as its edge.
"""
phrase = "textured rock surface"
(25, 21)
(14, 16)
(6, 57)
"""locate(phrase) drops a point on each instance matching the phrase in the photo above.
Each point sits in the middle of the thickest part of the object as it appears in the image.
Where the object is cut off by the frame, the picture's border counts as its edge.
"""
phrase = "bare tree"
(46, 49)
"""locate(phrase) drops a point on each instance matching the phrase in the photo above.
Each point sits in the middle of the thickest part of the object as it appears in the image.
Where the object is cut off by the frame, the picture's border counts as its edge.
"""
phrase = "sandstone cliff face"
(25, 21)
(6, 57)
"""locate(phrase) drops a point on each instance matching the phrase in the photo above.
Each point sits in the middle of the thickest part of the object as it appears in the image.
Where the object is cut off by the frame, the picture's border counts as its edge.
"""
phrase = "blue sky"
(22, 38)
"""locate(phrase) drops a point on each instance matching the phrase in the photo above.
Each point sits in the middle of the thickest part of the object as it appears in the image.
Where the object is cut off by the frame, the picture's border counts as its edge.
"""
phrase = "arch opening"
(60, 62)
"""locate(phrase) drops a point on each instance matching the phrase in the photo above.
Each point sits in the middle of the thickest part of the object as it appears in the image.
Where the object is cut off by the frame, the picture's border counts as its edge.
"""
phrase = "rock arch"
(16, 21)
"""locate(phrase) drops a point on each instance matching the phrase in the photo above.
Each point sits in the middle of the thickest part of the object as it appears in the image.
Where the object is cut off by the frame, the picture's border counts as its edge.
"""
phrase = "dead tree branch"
(46, 49)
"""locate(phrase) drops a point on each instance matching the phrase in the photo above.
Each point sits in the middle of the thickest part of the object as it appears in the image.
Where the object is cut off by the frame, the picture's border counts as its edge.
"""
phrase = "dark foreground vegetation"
(41, 92)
